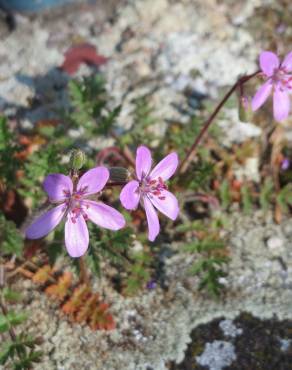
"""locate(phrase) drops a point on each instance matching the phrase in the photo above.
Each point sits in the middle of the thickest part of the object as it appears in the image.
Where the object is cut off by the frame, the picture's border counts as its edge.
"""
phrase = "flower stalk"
(84, 277)
(4, 308)
(193, 149)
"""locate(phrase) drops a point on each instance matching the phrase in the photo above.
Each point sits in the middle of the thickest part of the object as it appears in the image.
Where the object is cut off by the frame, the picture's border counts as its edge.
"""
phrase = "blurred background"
(155, 69)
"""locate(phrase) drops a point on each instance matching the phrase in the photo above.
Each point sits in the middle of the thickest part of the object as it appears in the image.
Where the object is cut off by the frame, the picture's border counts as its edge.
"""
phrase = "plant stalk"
(191, 153)
(5, 310)
(84, 278)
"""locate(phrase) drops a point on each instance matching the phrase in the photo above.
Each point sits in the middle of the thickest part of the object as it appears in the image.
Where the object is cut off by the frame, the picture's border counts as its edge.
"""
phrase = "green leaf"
(5, 353)
(224, 192)
(11, 295)
(284, 198)
(16, 318)
(246, 199)
(11, 241)
(8, 148)
(11, 319)
(266, 194)
(4, 324)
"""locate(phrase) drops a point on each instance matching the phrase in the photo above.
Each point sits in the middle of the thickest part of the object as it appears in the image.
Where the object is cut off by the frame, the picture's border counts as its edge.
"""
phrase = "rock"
(276, 245)
(217, 355)
(285, 344)
(229, 329)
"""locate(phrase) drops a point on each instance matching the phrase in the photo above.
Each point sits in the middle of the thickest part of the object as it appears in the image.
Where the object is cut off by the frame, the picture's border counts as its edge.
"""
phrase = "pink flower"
(73, 204)
(278, 80)
(150, 189)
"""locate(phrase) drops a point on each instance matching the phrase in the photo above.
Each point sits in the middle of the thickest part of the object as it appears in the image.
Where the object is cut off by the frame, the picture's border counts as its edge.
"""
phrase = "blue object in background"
(31, 5)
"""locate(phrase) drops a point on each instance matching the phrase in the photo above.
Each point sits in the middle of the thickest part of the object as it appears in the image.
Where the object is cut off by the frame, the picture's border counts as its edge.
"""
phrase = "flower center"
(153, 187)
(76, 206)
(282, 78)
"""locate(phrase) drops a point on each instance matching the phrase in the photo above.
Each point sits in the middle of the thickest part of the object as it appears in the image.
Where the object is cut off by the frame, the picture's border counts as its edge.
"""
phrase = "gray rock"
(217, 355)
(229, 329)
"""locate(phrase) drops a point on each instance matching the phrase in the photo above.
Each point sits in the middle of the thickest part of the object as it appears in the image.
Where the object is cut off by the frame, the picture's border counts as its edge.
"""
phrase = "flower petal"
(287, 62)
(93, 180)
(261, 95)
(76, 236)
(166, 167)
(57, 186)
(130, 196)
(143, 161)
(269, 62)
(46, 222)
(152, 219)
(281, 104)
(168, 206)
(103, 215)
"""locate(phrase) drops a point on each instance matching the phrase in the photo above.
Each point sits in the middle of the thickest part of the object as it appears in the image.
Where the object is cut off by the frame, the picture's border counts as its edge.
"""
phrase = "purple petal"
(130, 196)
(261, 95)
(281, 104)
(143, 161)
(46, 222)
(104, 216)
(152, 219)
(285, 164)
(57, 186)
(93, 180)
(269, 62)
(76, 236)
(168, 205)
(166, 167)
(287, 62)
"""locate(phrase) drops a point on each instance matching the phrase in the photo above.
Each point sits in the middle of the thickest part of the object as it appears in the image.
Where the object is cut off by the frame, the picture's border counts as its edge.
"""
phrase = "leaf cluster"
(20, 350)
(11, 241)
(143, 120)
(86, 306)
(88, 100)
(9, 164)
(138, 273)
(210, 267)
(80, 303)
(36, 168)
(111, 245)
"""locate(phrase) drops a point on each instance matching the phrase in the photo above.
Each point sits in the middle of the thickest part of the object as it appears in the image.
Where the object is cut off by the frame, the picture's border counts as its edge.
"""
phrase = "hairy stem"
(5, 310)
(191, 153)
(84, 278)
(5, 313)
(115, 183)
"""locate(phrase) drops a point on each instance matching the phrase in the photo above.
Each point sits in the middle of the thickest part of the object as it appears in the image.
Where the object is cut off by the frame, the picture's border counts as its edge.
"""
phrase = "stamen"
(153, 187)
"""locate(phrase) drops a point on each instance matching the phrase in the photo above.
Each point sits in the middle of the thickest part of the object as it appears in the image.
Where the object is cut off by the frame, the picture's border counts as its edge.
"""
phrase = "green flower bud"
(244, 110)
(77, 159)
(119, 174)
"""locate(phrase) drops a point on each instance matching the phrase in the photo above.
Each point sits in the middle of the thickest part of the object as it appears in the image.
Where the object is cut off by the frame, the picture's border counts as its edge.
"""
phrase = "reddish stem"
(84, 278)
(192, 151)
(116, 183)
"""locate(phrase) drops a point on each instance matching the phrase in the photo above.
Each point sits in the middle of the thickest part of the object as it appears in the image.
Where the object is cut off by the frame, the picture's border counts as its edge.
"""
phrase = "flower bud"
(285, 164)
(77, 159)
(244, 109)
(119, 174)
